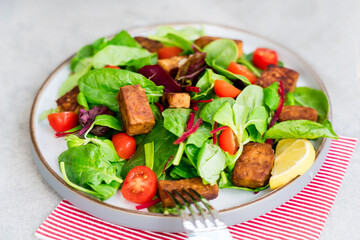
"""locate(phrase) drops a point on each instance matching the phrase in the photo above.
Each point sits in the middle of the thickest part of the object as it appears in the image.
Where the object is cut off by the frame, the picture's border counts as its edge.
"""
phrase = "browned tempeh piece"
(201, 42)
(275, 73)
(176, 100)
(297, 113)
(207, 191)
(68, 102)
(150, 45)
(253, 168)
(135, 110)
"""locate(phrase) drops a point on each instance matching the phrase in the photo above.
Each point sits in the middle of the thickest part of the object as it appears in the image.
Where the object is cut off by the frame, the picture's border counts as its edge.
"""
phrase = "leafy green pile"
(92, 165)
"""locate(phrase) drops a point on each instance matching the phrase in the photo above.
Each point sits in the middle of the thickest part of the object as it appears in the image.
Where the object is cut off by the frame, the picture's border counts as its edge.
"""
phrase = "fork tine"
(200, 209)
(210, 209)
(197, 221)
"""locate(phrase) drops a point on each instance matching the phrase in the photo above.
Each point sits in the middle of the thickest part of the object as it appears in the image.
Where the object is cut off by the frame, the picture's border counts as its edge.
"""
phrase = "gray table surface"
(36, 36)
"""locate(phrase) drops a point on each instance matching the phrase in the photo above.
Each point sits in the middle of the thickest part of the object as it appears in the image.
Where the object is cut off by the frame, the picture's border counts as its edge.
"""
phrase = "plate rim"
(33, 118)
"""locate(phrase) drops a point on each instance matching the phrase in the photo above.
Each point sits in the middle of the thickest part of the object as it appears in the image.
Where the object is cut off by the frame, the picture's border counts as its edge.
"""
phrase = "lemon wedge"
(293, 157)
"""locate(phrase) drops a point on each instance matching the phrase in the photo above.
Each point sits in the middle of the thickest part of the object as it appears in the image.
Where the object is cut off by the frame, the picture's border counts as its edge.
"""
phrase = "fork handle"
(223, 234)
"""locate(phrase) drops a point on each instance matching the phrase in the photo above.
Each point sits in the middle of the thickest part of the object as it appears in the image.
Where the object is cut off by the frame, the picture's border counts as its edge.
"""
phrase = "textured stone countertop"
(36, 36)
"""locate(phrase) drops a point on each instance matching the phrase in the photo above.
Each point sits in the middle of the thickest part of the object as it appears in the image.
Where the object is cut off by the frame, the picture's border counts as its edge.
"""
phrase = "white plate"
(235, 206)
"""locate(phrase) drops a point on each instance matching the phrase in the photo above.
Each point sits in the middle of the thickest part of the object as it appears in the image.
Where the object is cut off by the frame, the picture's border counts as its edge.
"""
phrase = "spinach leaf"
(300, 129)
(246, 60)
(135, 64)
(230, 75)
(123, 38)
(83, 66)
(81, 99)
(84, 52)
(271, 96)
(106, 121)
(164, 150)
(174, 39)
(192, 152)
(185, 169)
(209, 110)
(101, 86)
(175, 120)
(206, 83)
(86, 167)
(106, 146)
(189, 33)
(289, 99)
(221, 52)
(313, 98)
(200, 135)
(251, 97)
(211, 162)
(118, 55)
(225, 182)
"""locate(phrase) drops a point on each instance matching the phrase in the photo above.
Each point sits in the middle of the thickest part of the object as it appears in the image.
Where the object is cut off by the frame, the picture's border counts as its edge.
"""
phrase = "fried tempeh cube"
(171, 65)
(150, 45)
(176, 100)
(253, 168)
(201, 42)
(275, 73)
(298, 113)
(207, 191)
(68, 101)
(135, 110)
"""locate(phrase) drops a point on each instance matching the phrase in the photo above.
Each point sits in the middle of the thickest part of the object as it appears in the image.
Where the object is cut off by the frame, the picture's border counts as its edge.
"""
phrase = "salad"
(182, 110)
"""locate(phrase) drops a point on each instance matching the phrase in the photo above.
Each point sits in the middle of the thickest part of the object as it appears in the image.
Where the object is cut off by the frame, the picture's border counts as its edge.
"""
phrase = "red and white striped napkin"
(302, 217)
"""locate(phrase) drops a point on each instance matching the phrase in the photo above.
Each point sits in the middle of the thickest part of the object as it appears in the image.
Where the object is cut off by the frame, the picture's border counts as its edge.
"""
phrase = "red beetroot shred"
(187, 133)
(193, 89)
(218, 129)
(159, 106)
(63, 134)
(195, 107)
(278, 110)
(167, 162)
(190, 121)
(202, 101)
(148, 204)
(214, 134)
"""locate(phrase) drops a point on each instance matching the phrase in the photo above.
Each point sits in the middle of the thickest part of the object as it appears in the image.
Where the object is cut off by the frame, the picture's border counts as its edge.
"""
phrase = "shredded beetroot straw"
(218, 129)
(167, 162)
(195, 107)
(193, 89)
(63, 134)
(190, 121)
(278, 110)
(159, 106)
(214, 134)
(202, 101)
(187, 133)
(148, 204)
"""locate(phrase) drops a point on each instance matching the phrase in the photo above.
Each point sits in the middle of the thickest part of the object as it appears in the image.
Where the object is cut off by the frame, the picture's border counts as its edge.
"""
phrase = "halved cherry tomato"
(168, 52)
(124, 144)
(111, 66)
(140, 185)
(262, 57)
(243, 71)
(63, 121)
(228, 141)
(225, 89)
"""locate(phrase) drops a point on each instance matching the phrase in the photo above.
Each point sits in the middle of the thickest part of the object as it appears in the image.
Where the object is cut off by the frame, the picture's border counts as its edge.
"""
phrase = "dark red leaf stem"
(148, 204)
(202, 101)
(214, 134)
(65, 133)
(159, 106)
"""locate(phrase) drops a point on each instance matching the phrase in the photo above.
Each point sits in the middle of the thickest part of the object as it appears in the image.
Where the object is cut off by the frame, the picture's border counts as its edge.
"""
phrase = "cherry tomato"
(140, 185)
(111, 66)
(243, 71)
(228, 141)
(63, 121)
(225, 89)
(124, 144)
(168, 52)
(262, 57)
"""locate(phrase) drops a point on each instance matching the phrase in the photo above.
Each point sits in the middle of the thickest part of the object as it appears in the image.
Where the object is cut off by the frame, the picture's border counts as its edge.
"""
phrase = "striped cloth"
(302, 217)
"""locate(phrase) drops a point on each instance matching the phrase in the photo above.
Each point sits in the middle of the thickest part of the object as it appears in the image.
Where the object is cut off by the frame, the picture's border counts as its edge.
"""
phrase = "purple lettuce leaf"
(194, 65)
(160, 77)
(86, 119)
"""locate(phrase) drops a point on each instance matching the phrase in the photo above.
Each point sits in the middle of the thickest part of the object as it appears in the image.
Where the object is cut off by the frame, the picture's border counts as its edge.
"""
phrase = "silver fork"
(201, 224)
